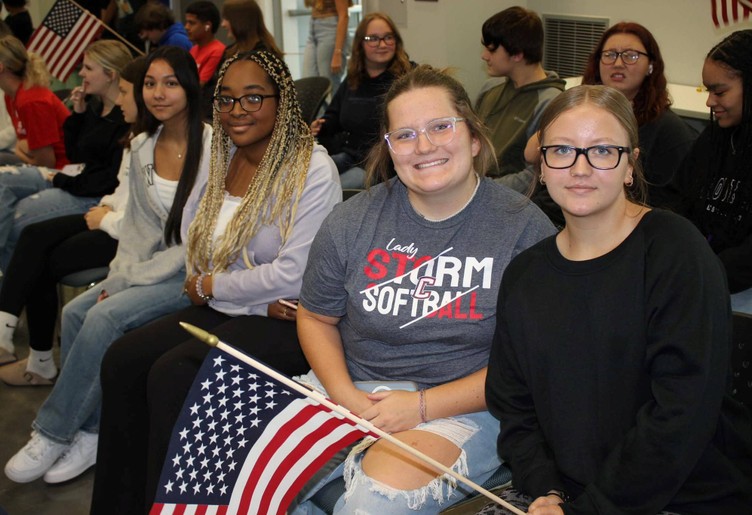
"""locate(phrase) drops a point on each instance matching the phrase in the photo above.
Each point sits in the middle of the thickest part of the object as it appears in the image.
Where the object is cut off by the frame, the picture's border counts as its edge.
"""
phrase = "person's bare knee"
(392, 466)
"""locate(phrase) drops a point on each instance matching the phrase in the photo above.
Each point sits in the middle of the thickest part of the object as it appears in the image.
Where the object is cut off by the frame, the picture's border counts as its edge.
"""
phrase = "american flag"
(245, 442)
(62, 37)
(727, 12)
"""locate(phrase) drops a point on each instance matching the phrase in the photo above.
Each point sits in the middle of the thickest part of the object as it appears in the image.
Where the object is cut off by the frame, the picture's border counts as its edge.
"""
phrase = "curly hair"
(652, 99)
(272, 196)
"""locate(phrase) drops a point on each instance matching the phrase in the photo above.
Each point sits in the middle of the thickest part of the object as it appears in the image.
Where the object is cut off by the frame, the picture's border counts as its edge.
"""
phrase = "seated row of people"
(248, 226)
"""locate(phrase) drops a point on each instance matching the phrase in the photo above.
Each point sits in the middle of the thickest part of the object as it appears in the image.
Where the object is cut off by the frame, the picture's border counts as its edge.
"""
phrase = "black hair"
(518, 30)
(154, 16)
(186, 72)
(733, 53)
(206, 12)
(133, 73)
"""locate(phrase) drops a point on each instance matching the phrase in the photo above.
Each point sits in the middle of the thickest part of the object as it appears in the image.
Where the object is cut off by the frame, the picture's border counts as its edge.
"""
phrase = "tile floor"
(19, 405)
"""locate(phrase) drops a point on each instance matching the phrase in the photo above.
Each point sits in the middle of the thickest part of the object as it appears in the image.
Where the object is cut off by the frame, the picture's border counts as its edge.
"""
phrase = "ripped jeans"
(474, 433)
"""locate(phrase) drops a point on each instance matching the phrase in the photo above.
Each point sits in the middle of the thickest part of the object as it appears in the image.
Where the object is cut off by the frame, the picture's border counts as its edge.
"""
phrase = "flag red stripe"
(317, 464)
(714, 12)
(72, 47)
(293, 457)
(156, 508)
(279, 438)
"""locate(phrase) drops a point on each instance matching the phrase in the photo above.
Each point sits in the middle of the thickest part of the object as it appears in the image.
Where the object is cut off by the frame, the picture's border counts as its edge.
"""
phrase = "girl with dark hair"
(248, 226)
(244, 22)
(715, 182)
(628, 59)
(350, 125)
(49, 250)
(609, 370)
(146, 277)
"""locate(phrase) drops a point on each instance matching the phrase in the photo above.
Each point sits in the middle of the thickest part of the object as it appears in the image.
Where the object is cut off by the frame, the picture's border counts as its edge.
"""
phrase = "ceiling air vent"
(569, 40)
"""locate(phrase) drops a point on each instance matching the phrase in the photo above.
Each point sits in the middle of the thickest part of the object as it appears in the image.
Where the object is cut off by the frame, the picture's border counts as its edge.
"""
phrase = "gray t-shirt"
(417, 299)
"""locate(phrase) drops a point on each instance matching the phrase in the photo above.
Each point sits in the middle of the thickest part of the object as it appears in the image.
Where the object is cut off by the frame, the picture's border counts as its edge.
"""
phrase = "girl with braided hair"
(715, 182)
(248, 224)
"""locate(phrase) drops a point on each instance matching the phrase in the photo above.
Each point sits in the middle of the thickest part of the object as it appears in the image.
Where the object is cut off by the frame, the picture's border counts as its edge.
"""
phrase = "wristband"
(422, 406)
(200, 288)
(561, 494)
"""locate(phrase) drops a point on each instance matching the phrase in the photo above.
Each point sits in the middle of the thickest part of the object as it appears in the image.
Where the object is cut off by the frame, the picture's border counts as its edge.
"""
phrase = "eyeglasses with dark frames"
(627, 56)
(373, 41)
(439, 132)
(600, 157)
(249, 103)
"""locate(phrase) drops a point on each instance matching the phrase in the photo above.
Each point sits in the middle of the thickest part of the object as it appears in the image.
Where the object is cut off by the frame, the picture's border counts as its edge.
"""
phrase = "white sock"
(8, 325)
(41, 362)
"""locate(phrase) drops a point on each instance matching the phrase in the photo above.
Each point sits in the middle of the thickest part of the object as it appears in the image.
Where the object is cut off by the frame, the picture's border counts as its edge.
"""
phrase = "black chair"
(312, 92)
(741, 359)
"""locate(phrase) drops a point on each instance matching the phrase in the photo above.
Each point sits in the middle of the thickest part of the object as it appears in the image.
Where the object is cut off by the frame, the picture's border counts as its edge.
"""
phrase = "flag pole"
(213, 341)
(113, 31)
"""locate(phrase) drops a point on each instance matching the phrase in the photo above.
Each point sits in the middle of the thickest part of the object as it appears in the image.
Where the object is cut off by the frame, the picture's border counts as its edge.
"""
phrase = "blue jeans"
(742, 301)
(27, 198)
(317, 57)
(350, 175)
(88, 329)
(478, 461)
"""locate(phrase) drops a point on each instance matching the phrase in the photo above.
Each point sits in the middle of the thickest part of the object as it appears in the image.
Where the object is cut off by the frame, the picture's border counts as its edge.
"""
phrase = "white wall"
(683, 28)
(445, 33)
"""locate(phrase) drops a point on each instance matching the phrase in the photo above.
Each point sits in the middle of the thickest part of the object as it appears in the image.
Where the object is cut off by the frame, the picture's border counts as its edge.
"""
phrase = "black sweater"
(353, 119)
(610, 377)
(715, 187)
(93, 140)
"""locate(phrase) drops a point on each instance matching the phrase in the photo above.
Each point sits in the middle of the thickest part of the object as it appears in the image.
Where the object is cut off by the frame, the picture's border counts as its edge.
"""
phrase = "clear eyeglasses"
(249, 103)
(374, 41)
(627, 56)
(600, 157)
(439, 132)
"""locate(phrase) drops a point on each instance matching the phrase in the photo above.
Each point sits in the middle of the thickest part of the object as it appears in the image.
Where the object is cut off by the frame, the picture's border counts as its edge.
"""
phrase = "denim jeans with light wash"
(369, 496)
(317, 57)
(742, 302)
(88, 329)
(350, 176)
(26, 198)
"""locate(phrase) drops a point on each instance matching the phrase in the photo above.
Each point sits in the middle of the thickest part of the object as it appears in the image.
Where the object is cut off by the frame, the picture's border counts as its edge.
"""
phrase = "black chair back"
(312, 92)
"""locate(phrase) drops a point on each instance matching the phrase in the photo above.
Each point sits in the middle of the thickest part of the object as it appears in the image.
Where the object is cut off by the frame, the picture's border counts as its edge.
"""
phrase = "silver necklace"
(477, 185)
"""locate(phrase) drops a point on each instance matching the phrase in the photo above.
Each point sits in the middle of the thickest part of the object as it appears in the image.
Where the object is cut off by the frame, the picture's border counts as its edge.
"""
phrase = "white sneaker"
(36, 458)
(81, 455)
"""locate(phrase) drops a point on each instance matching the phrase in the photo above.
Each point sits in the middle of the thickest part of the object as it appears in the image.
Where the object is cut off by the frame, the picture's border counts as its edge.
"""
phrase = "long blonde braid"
(274, 192)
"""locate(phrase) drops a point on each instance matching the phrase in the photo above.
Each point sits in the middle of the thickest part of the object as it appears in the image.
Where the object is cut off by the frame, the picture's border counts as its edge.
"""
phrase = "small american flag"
(62, 37)
(245, 442)
(728, 12)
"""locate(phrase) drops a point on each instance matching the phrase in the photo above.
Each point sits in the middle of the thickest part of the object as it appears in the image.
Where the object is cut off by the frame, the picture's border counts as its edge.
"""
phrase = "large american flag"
(62, 37)
(728, 12)
(245, 443)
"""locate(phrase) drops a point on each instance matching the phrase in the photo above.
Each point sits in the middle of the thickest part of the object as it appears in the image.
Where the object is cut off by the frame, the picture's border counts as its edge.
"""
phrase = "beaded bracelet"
(422, 406)
(200, 288)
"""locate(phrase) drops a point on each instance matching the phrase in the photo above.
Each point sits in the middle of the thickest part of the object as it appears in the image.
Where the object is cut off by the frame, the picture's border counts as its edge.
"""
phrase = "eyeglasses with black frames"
(627, 56)
(373, 41)
(600, 157)
(439, 132)
(249, 103)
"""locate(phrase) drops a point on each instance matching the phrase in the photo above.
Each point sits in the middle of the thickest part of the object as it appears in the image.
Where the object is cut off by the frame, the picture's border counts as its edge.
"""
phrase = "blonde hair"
(27, 66)
(274, 192)
(615, 103)
(111, 55)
